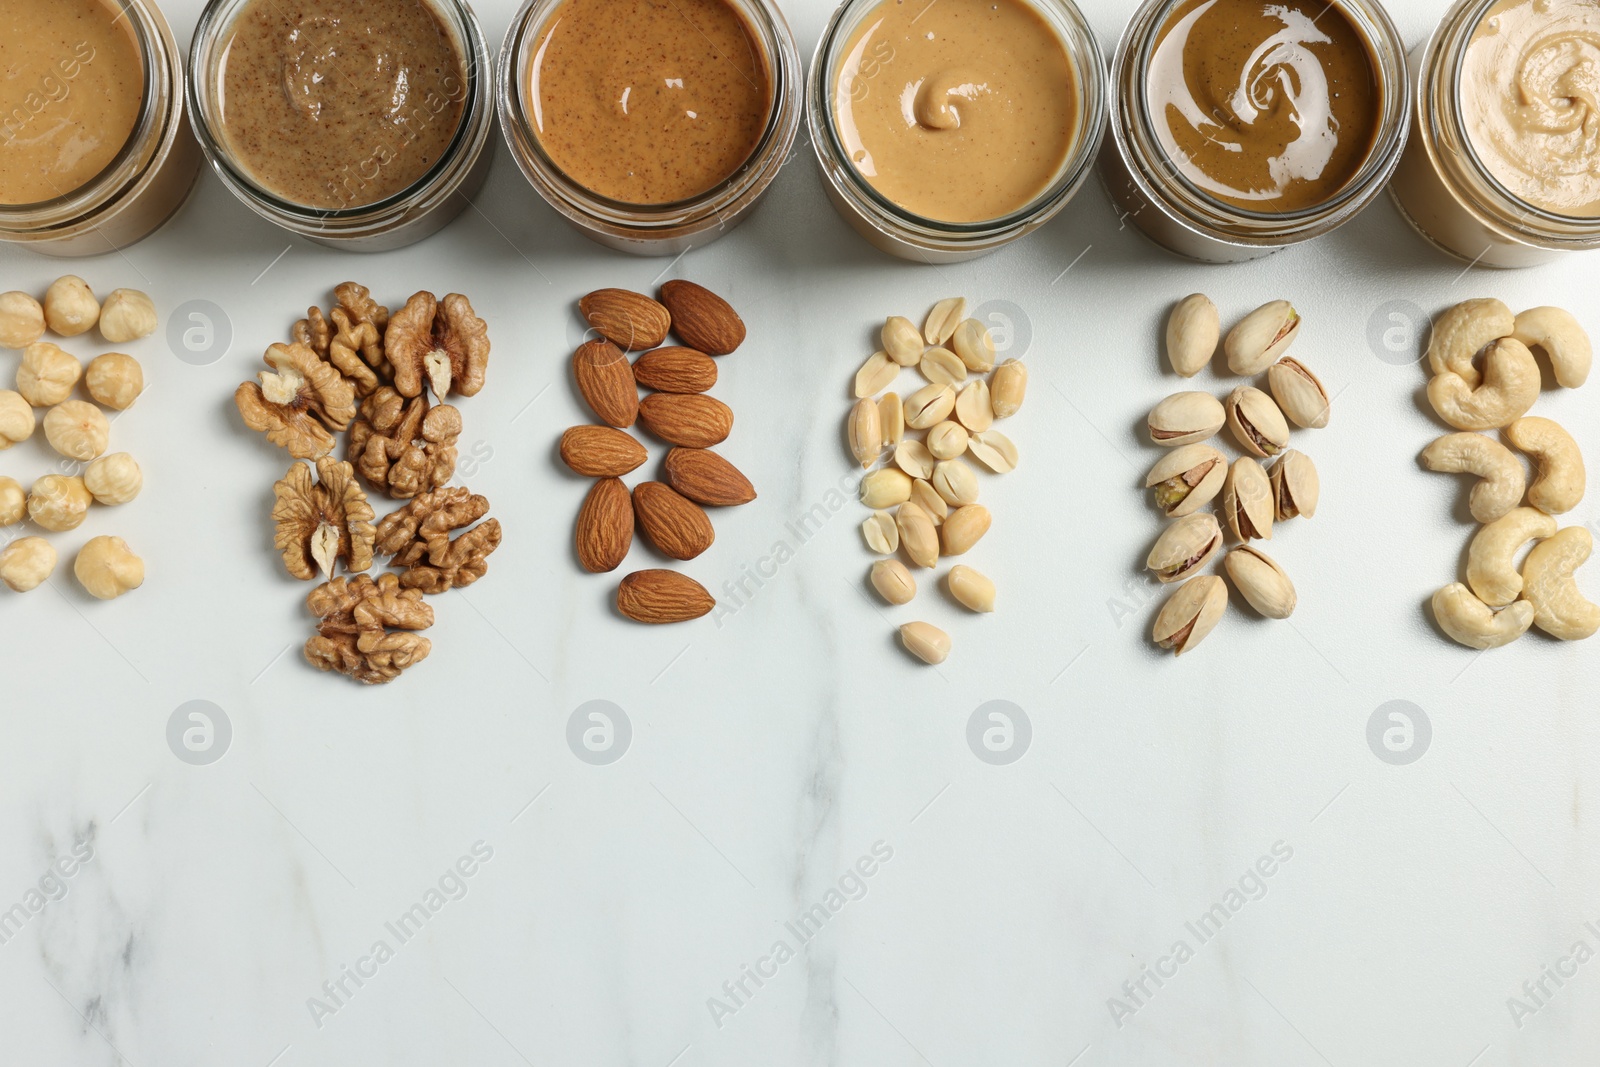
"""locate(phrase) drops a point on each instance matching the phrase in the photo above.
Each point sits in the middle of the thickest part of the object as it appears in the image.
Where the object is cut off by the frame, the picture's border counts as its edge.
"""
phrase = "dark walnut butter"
(1270, 107)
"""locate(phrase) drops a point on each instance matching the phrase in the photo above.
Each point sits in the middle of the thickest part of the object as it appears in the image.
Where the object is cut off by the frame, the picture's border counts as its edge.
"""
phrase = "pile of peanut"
(926, 479)
(77, 430)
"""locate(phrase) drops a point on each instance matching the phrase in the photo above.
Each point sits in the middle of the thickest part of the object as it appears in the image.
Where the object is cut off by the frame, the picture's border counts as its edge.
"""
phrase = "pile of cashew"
(1485, 378)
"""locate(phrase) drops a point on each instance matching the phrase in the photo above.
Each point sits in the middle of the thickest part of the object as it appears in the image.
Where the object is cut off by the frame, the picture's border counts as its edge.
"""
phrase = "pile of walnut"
(1485, 378)
(76, 429)
(361, 369)
(677, 411)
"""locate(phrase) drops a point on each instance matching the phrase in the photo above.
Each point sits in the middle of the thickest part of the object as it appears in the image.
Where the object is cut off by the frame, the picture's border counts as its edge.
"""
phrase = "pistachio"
(929, 405)
(1184, 547)
(917, 535)
(942, 367)
(876, 375)
(1184, 418)
(1247, 502)
(1295, 486)
(1187, 479)
(1261, 337)
(893, 582)
(955, 482)
(913, 457)
(881, 534)
(892, 414)
(866, 432)
(972, 590)
(1261, 581)
(974, 345)
(1192, 333)
(1256, 422)
(926, 497)
(901, 341)
(1008, 387)
(943, 319)
(974, 406)
(964, 528)
(947, 440)
(926, 642)
(1191, 613)
(994, 450)
(885, 487)
(1300, 394)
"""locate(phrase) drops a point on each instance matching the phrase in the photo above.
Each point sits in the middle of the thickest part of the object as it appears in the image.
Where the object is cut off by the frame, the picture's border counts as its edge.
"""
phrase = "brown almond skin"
(691, 420)
(675, 370)
(605, 527)
(707, 478)
(702, 319)
(658, 597)
(606, 382)
(630, 320)
(601, 452)
(673, 523)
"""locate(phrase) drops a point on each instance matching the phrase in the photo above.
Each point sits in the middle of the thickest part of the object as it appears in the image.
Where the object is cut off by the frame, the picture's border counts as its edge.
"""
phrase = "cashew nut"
(1508, 389)
(1560, 479)
(1503, 482)
(1562, 339)
(1558, 608)
(1473, 623)
(1463, 331)
(1491, 561)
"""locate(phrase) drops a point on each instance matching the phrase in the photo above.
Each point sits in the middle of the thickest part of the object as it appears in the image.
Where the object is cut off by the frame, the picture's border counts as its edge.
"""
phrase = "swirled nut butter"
(960, 111)
(71, 87)
(342, 103)
(1268, 106)
(1530, 101)
(648, 101)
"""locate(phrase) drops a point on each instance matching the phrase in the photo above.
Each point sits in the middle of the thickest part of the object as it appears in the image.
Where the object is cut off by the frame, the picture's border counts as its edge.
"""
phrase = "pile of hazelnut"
(360, 369)
(76, 429)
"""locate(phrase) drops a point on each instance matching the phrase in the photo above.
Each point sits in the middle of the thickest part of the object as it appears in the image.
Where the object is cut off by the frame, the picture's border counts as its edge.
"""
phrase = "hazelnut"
(107, 568)
(26, 563)
(47, 374)
(21, 320)
(114, 380)
(114, 479)
(16, 419)
(59, 503)
(70, 307)
(13, 501)
(127, 315)
(77, 429)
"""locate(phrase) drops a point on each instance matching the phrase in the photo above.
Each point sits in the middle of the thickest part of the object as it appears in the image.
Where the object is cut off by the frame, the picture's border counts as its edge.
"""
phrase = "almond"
(676, 370)
(662, 597)
(601, 452)
(707, 478)
(606, 382)
(628, 319)
(605, 526)
(687, 419)
(702, 319)
(674, 524)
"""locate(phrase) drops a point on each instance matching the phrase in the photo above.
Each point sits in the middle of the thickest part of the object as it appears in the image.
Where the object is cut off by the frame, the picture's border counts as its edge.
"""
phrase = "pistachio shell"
(1256, 422)
(1184, 418)
(1187, 479)
(1296, 486)
(1261, 581)
(1300, 394)
(1184, 547)
(1191, 613)
(1192, 334)
(1261, 337)
(1247, 503)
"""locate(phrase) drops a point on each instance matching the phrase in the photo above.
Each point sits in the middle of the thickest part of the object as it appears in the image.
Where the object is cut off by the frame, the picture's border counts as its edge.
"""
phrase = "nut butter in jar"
(359, 124)
(95, 149)
(1242, 126)
(947, 131)
(652, 126)
(1503, 166)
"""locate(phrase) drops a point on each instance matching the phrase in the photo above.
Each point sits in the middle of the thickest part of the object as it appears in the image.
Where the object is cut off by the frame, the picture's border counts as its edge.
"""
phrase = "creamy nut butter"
(339, 104)
(71, 88)
(1268, 106)
(960, 111)
(1530, 101)
(648, 101)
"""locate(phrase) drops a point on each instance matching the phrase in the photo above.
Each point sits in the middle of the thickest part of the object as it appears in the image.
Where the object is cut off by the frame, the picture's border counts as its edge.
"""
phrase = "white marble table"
(788, 754)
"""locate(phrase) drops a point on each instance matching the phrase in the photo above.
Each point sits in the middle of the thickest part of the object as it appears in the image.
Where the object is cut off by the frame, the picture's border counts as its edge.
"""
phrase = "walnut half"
(357, 623)
(418, 538)
(320, 524)
(298, 401)
(353, 340)
(440, 344)
(404, 447)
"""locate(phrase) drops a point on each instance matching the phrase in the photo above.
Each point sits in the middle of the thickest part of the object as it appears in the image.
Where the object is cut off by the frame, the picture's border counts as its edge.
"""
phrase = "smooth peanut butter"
(959, 111)
(71, 89)
(1268, 106)
(1530, 100)
(342, 103)
(648, 101)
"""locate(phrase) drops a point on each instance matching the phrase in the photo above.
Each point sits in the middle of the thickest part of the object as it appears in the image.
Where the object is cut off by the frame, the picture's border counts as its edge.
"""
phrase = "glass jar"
(653, 229)
(1443, 187)
(1169, 209)
(404, 218)
(891, 228)
(147, 182)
